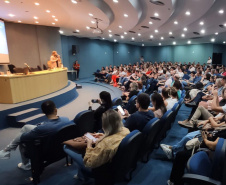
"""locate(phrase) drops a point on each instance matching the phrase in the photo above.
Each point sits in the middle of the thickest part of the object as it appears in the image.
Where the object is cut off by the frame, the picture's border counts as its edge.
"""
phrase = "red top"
(76, 66)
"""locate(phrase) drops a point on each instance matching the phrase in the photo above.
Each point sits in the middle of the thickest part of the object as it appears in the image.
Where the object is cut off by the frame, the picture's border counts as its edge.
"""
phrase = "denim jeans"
(181, 144)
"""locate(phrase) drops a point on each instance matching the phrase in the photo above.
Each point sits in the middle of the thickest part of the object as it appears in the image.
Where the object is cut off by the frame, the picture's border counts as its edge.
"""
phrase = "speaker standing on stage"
(209, 61)
(76, 67)
(55, 60)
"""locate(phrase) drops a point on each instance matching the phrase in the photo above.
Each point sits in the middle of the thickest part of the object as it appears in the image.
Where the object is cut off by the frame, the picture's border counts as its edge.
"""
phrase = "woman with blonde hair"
(103, 150)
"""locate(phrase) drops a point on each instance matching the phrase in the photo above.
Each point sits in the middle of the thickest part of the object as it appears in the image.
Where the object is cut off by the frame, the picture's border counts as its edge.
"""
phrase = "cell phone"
(88, 135)
(121, 110)
(94, 100)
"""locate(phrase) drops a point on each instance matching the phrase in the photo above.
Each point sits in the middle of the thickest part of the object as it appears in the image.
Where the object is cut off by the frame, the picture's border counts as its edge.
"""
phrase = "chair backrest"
(127, 155)
(117, 101)
(199, 164)
(18, 70)
(44, 67)
(143, 88)
(11, 66)
(218, 159)
(39, 68)
(131, 105)
(52, 149)
(85, 122)
(149, 132)
(124, 160)
(175, 107)
(181, 101)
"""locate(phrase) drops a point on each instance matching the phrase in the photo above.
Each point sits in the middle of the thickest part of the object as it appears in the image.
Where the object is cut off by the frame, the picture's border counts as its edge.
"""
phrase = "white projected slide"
(4, 55)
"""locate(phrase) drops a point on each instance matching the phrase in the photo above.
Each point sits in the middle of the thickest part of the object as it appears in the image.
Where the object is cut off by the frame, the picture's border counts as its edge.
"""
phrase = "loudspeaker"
(217, 58)
(74, 49)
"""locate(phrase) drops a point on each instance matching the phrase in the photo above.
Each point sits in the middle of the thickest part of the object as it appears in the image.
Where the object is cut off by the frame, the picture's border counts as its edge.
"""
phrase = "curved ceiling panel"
(72, 16)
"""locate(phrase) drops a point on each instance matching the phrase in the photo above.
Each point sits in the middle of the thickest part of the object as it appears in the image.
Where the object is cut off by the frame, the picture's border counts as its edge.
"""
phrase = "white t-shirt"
(209, 62)
(171, 102)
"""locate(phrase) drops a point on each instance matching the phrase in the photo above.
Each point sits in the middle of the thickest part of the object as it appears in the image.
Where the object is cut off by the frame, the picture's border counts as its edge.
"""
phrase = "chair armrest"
(204, 149)
(199, 179)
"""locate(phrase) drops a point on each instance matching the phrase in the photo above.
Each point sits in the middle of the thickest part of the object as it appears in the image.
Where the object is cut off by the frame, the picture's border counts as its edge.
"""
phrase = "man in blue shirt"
(30, 132)
(139, 119)
(198, 77)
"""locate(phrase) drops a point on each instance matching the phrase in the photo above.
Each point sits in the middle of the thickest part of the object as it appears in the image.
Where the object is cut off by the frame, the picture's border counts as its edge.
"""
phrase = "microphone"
(27, 65)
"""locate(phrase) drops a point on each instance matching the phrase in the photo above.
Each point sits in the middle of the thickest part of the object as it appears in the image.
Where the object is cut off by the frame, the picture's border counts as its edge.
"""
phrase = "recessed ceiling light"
(151, 36)
(115, 40)
(109, 31)
(203, 31)
(37, 4)
(120, 26)
(150, 22)
(87, 27)
(201, 23)
(7, 1)
(36, 22)
(162, 38)
(47, 11)
(77, 30)
(221, 11)
(213, 39)
(170, 33)
(182, 35)
(156, 14)
(35, 17)
(110, 35)
(115, 1)
(175, 22)
(56, 19)
(73, 1)
(160, 44)
(188, 13)
(125, 33)
(185, 29)
(103, 38)
(91, 15)
(93, 22)
(189, 42)
(133, 38)
(19, 21)
(122, 37)
(53, 23)
(53, 16)
(174, 43)
(224, 42)
(61, 32)
(216, 33)
(125, 15)
(142, 44)
(11, 15)
(225, 25)
(156, 31)
(139, 34)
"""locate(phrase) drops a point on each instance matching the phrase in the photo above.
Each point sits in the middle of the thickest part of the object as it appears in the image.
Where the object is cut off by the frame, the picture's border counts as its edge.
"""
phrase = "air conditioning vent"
(145, 27)
(196, 33)
(172, 37)
(159, 3)
(132, 31)
(196, 37)
(155, 18)
(117, 35)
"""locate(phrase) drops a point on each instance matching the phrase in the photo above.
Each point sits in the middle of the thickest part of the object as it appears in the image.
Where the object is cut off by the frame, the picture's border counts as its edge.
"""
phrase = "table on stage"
(17, 88)
(72, 74)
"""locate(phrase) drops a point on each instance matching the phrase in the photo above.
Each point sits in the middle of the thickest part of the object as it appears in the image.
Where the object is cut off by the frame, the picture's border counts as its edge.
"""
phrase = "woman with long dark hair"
(159, 107)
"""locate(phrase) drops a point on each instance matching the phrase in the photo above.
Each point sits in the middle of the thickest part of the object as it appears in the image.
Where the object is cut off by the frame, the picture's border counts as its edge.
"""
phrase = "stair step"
(33, 119)
(23, 112)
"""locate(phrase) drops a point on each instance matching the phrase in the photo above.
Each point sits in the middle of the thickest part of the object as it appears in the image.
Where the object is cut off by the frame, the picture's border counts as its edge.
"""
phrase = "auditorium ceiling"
(138, 22)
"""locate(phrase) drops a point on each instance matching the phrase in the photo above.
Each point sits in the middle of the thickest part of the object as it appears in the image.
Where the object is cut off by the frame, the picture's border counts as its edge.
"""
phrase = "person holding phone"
(103, 149)
(76, 67)
(105, 104)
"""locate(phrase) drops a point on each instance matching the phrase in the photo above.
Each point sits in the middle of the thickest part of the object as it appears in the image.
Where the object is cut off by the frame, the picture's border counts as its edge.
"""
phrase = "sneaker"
(4, 154)
(24, 167)
(188, 124)
(167, 150)
(182, 122)
(170, 183)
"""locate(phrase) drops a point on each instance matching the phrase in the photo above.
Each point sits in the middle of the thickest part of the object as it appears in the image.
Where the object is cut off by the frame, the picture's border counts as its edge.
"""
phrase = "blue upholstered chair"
(85, 122)
(149, 133)
(175, 110)
(204, 170)
(117, 101)
(131, 105)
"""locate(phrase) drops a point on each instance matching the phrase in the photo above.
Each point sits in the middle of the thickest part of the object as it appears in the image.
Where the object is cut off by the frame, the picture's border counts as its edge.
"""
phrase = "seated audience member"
(133, 91)
(170, 97)
(159, 107)
(181, 159)
(32, 132)
(177, 85)
(139, 119)
(104, 149)
(105, 104)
